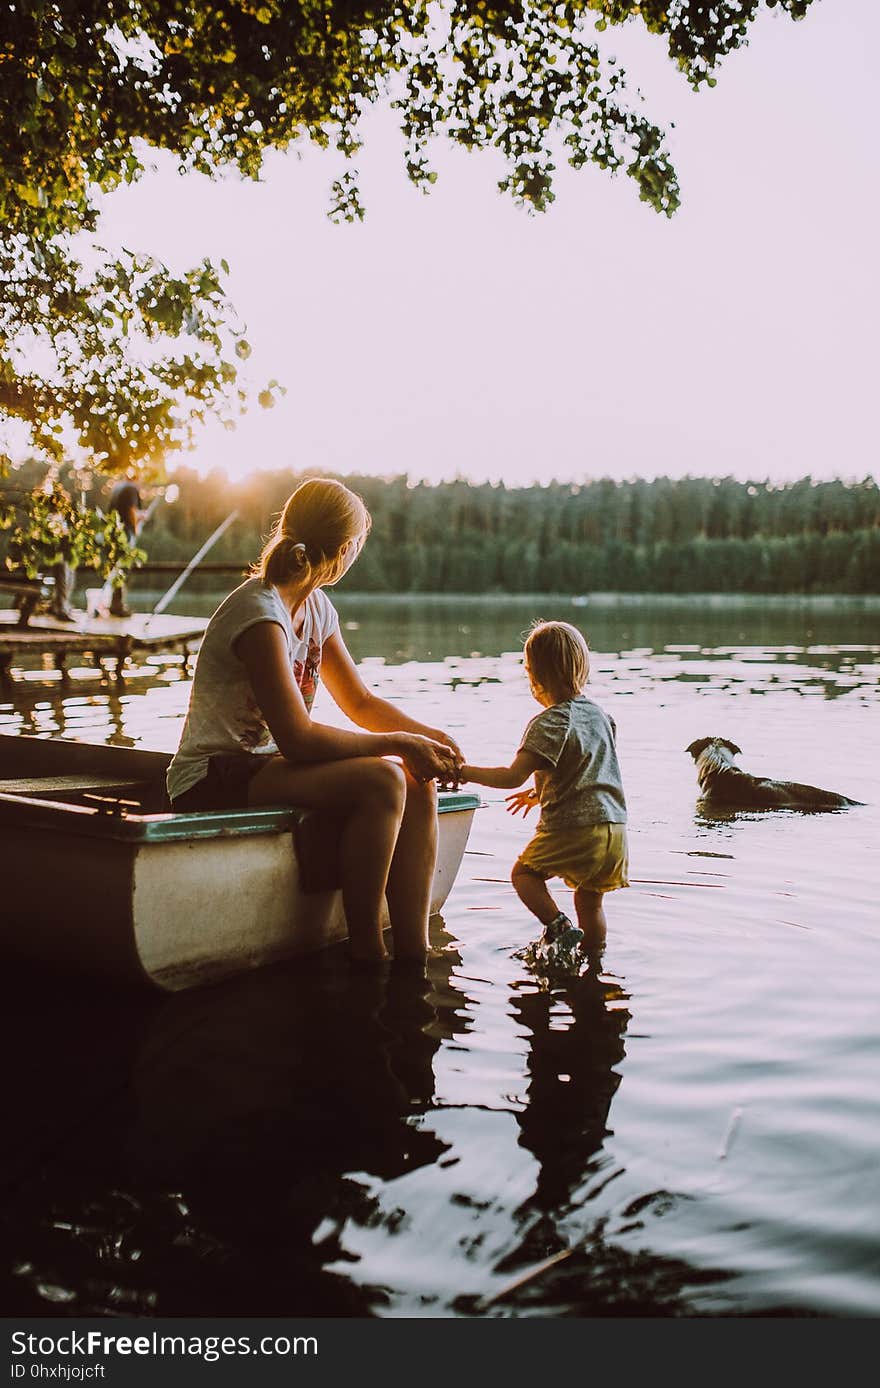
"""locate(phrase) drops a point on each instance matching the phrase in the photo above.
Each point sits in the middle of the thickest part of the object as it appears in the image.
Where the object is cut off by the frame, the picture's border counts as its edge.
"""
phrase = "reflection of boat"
(93, 880)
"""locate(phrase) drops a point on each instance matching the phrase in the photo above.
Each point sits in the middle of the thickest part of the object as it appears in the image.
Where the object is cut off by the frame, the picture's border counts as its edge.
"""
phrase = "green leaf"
(28, 194)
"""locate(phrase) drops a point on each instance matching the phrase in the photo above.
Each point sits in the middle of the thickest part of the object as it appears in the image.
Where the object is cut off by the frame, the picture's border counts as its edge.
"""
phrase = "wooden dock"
(114, 638)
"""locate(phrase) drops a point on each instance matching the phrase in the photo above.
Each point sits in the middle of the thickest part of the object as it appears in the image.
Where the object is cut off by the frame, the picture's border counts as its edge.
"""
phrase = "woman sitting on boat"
(249, 738)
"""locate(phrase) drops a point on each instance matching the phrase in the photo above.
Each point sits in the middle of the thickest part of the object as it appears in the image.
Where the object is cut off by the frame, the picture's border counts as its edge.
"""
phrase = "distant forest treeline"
(664, 536)
(693, 534)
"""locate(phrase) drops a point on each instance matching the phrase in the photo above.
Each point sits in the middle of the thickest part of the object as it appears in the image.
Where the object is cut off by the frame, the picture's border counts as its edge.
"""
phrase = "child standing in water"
(581, 835)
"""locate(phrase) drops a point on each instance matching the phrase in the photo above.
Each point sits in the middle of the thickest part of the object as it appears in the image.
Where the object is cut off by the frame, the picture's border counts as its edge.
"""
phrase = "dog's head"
(697, 748)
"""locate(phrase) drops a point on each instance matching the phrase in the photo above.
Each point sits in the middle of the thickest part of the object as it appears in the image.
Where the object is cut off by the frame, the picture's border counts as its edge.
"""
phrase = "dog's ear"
(731, 746)
(699, 746)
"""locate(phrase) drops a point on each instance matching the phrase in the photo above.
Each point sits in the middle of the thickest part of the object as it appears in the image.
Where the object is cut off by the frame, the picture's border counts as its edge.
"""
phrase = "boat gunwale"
(25, 811)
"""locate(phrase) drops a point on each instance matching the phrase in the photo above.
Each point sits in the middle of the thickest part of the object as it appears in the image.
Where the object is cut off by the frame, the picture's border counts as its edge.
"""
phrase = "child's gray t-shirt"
(584, 786)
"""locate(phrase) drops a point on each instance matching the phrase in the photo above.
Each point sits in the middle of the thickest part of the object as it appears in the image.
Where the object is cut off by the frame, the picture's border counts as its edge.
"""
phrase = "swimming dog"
(725, 786)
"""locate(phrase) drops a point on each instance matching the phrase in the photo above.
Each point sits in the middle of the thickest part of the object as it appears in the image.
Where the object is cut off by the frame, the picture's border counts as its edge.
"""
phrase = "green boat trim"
(24, 811)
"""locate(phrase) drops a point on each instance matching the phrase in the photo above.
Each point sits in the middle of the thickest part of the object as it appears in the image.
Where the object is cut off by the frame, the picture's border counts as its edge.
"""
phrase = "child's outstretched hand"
(522, 800)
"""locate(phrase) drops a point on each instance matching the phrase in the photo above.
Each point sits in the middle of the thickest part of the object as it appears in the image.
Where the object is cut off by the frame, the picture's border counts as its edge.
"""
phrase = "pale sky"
(455, 334)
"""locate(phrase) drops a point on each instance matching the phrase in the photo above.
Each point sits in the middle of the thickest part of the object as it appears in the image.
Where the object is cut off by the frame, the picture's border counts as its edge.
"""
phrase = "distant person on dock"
(125, 500)
(249, 738)
(581, 835)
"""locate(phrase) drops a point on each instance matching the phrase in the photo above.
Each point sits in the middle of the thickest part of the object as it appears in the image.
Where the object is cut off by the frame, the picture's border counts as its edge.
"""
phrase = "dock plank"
(141, 628)
(39, 785)
(115, 637)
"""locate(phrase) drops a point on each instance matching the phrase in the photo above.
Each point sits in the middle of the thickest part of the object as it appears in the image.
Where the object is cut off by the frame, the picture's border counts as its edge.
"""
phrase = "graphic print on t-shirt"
(306, 674)
(250, 726)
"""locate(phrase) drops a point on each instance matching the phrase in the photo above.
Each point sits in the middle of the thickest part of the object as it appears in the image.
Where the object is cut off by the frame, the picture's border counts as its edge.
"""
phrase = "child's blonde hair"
(557, 658)
(307, 544)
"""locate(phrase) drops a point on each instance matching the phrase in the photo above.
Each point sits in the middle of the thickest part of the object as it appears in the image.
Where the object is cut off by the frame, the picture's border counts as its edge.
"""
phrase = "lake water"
(692, 1126)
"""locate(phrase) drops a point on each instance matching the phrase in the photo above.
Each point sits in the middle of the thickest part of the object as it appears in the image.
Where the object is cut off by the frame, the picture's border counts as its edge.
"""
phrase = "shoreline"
(867, 602)
(143, 598)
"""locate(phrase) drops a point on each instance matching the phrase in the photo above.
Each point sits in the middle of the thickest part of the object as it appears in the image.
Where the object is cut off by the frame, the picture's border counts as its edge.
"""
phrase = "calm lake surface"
(694, 1124)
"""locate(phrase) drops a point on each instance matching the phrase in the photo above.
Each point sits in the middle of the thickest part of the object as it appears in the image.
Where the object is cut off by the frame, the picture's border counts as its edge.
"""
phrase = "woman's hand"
(453, 781)
(439, 736)
(524, 800)
(428, 760)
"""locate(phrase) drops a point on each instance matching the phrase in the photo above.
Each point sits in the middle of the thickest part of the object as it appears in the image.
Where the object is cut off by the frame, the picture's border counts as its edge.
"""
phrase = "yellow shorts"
(593, 856)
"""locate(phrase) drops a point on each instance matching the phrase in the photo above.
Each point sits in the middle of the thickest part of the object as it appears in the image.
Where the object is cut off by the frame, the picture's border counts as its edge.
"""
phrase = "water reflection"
(563, 1259)
(285, 1078)
(229, 1140)
(252, 1111)
(465, 627)
(56, 713)
(575, 1039)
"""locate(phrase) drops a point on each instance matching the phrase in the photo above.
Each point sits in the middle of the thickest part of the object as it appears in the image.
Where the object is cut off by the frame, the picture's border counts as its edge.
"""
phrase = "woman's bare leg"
(532, 892)
(412, 871)
(370, 793)
(591, 917)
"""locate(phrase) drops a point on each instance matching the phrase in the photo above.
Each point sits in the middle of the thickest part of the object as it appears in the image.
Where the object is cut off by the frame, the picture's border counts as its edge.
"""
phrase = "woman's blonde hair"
(557, 657)
(318, 520)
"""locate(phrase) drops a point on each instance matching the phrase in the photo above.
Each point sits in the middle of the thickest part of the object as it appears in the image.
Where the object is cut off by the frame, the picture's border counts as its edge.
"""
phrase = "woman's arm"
(524, 765)
(361, 705)
(263, 651)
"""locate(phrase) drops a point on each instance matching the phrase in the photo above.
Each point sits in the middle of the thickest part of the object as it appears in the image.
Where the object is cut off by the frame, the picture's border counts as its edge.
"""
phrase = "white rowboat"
(91, 880)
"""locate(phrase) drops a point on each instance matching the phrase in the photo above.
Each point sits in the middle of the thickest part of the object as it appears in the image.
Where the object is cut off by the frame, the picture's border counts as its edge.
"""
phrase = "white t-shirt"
(223, 715)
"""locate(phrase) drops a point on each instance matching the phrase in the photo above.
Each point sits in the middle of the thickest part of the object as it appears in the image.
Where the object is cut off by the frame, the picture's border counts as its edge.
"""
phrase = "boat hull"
(176, 900)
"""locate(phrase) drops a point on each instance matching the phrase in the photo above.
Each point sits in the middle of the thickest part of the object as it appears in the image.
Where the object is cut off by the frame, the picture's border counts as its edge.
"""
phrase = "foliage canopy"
(54, 529)
(110, 354)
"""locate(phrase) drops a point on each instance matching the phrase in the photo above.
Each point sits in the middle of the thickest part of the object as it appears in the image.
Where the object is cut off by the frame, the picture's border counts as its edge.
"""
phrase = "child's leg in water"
(559, 948)
(591, 917)
(532, 892)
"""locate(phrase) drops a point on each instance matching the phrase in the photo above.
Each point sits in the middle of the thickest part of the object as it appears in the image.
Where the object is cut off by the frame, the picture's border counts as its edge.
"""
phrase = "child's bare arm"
(524, 765)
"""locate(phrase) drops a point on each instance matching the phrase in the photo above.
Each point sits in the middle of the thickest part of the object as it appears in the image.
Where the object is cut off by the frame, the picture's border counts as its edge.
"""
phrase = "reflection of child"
(581, 835)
